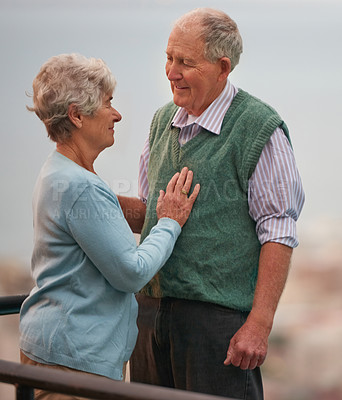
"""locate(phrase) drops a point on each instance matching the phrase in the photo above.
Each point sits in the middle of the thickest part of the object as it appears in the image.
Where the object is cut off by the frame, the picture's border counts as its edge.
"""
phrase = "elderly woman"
(81, 314)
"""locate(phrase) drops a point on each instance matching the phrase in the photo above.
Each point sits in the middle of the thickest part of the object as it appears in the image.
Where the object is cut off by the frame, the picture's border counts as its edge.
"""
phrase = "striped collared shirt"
(211, 119)
(275, 191)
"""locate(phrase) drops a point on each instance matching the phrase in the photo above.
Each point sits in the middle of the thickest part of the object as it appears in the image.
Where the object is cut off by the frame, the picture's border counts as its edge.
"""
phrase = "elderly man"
(205, 318)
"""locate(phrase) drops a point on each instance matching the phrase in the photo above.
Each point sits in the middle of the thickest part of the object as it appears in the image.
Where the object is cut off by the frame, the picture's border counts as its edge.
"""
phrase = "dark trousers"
(182, 344)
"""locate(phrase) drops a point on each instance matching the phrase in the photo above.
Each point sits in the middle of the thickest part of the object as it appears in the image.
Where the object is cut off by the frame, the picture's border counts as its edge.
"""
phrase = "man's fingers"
(228, 360)
(260, 361)
(230, 352)
(253, 363)
(245, 362)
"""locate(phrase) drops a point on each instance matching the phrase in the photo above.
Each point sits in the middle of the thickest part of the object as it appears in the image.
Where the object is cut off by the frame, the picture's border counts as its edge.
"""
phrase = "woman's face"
(98, 130)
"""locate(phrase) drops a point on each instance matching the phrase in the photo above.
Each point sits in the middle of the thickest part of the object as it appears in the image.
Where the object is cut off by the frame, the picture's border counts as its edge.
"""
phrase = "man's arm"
(134, 211)
(248, 347)
(275, 201)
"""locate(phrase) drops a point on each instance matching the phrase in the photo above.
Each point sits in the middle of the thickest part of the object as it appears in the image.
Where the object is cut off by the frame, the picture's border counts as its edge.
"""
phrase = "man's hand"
(248, 347)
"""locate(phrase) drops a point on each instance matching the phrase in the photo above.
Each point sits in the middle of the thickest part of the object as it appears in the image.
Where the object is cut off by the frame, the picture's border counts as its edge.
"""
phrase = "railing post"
(25, 393)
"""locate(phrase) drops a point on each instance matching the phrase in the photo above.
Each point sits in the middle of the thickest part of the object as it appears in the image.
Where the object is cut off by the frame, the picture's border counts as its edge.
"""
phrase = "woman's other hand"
(175, 203)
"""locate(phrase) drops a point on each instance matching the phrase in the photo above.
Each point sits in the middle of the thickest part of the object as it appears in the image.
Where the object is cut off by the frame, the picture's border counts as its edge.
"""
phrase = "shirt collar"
(211, 119)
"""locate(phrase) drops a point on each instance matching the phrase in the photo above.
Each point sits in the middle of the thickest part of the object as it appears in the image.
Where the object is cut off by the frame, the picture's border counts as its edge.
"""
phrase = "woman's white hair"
(218, 31)
(69, 79)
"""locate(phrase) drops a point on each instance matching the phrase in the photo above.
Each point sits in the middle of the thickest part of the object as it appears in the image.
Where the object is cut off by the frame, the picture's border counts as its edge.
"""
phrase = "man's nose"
(173, 72)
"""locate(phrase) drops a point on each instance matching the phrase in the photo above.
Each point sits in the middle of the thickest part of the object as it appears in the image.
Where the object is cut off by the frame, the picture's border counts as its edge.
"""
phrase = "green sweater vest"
(216, 257)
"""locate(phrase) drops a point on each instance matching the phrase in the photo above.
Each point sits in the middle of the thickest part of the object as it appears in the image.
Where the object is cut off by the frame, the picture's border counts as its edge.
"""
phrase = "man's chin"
(178, 101)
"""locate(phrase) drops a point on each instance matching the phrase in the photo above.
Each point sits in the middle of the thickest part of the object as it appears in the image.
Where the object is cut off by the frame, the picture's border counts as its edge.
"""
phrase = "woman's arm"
(99, 227)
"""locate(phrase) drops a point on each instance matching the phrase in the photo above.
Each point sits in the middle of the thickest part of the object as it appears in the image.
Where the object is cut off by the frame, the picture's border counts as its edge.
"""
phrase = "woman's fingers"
(181, 182)
(194, 193)
(175, 203)
(187, 184)
(183, 176)
(171, 185)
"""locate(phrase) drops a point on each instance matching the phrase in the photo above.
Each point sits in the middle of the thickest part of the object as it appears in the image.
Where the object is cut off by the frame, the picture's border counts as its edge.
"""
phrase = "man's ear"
(225, 68)
(74, 115)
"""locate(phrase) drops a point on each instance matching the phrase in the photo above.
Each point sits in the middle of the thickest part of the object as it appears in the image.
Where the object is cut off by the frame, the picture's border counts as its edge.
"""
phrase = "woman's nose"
(118, 116)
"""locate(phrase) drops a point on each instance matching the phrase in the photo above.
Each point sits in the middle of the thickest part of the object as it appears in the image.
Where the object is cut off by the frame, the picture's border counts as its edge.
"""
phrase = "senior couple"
(203, 286)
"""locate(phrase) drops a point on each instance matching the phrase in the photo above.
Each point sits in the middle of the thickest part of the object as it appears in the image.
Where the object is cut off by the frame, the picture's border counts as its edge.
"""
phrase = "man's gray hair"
(69, 79)
(218, 31)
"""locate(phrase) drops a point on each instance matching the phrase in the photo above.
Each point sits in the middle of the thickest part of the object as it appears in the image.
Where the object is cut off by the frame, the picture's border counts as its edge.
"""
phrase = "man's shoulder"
(163, 117)
(254, 103)
(167, 110)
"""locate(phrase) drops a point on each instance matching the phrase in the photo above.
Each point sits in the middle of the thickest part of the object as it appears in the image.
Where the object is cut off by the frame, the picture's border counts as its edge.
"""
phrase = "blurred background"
(292, 60)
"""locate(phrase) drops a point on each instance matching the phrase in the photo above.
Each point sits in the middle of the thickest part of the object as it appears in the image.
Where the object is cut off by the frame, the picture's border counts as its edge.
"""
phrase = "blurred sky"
(292, 60)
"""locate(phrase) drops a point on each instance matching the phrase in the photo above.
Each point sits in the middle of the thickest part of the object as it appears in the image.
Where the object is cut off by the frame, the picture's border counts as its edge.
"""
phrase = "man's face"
(195, 82)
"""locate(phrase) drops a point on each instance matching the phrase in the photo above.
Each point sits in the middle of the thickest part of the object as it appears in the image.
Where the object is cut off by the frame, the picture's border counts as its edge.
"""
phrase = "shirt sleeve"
(143, 169)
(276, 194)
(98, 225)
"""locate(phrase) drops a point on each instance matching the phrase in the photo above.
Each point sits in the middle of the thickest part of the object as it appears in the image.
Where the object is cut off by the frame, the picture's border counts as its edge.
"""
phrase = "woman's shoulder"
(66, 179)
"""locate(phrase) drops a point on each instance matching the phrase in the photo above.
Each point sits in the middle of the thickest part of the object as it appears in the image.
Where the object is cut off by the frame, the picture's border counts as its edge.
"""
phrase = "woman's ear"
(74, 115)
(225, 68)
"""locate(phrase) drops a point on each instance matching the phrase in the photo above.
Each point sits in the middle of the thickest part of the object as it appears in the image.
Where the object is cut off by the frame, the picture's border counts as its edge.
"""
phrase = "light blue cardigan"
(86, 265)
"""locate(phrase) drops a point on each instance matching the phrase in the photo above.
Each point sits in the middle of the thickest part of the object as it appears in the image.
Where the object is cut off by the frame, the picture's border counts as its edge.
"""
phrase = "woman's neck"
(75, 153)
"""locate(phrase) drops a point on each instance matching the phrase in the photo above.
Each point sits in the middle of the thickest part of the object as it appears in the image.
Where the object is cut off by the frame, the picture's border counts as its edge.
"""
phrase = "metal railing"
(26, 378)
(11, 304)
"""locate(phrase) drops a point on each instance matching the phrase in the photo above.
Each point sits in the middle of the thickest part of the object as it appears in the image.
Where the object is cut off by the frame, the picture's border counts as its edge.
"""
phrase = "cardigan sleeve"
(98, 225)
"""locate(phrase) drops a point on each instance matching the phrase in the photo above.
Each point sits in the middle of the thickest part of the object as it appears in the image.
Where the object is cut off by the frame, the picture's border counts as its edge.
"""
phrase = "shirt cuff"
(279, 229)
(167, 222)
